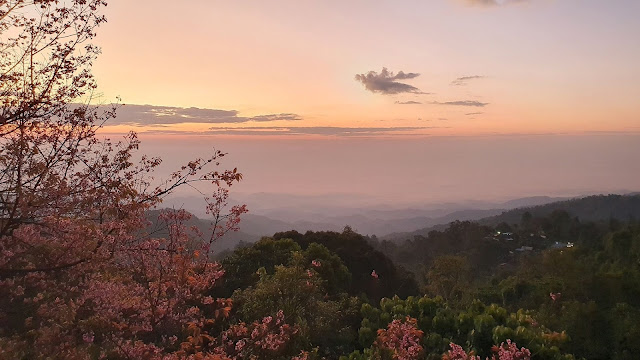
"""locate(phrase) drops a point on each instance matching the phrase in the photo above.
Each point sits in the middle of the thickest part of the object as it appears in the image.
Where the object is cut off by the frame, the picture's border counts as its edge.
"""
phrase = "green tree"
(327, 324)
(361, 259)
(450, 277)
(328, 265)
(477, 326)
(242, 265)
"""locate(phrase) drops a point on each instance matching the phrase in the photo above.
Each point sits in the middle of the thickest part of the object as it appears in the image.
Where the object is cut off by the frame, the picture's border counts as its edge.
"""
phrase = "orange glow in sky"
(537, 66)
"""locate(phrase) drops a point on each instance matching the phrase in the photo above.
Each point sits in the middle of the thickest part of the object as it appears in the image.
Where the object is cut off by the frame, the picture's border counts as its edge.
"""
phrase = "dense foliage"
(581, 278)
(362, 259)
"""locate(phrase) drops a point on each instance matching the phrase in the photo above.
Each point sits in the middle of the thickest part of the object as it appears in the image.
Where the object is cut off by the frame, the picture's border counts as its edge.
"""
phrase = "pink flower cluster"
(402, 338)
(508, 351)
(457, 353)
(269, 336)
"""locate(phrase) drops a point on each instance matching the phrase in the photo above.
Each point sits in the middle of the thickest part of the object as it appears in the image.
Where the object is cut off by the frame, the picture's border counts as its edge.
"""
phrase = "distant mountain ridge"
(589, 208)
(401, 224)
(302, 214)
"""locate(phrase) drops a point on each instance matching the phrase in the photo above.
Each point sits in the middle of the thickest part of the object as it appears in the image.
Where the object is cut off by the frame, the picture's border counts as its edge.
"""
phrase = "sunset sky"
(477, 67)
(380, 70)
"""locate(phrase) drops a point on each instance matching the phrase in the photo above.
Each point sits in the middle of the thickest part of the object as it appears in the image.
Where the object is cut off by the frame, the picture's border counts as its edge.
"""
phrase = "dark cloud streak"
(274, 117)
(410, 102)
(317, 130)
(299, 131)
(149, 115)
(463, 103)
(386, 82)
(465, 79)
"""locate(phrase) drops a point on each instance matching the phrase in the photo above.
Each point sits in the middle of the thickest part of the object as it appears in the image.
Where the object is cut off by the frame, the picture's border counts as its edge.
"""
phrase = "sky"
(296, 81)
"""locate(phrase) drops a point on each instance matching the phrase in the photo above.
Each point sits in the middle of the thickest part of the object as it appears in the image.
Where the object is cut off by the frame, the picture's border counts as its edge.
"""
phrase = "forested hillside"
(590, 208)
(554, 284)
(578, 277)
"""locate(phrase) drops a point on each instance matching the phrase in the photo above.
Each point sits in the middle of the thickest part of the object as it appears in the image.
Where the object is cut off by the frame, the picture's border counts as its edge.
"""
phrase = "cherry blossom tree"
(80, 272)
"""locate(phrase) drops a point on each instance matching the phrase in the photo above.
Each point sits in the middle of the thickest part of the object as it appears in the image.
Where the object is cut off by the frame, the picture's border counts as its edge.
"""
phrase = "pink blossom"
(374, 274)
(266, 337)
(87, 337)
(457, 353)
(504, 352)
(510, 352)
(402, 338)
(240, 345)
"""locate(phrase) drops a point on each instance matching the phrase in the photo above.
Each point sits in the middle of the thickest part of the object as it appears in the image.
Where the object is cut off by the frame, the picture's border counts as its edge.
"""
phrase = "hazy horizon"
(424, 170)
